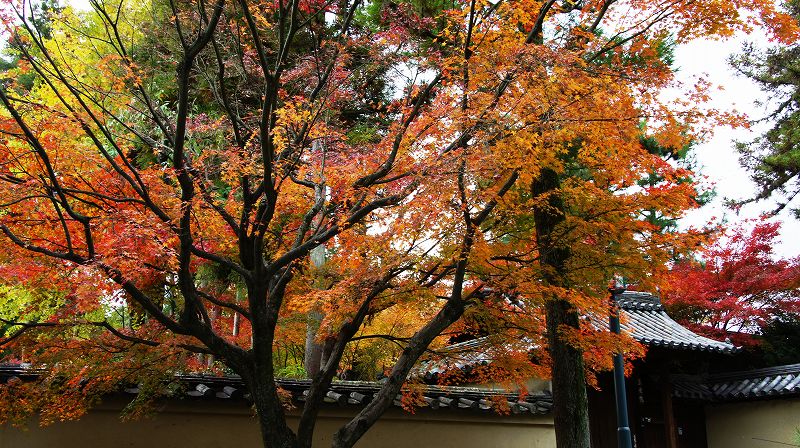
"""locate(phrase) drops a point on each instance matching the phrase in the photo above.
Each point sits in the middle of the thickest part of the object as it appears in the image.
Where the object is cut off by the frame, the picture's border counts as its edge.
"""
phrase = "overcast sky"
(717, 159)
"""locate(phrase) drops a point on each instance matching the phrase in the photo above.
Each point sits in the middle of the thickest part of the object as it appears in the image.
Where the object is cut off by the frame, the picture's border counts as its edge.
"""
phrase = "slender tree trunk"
(349, 434)
(570, 405)
(312, 357)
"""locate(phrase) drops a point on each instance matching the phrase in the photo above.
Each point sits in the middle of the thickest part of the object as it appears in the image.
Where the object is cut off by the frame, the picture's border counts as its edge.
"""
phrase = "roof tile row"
(342, 393)
(758, 383)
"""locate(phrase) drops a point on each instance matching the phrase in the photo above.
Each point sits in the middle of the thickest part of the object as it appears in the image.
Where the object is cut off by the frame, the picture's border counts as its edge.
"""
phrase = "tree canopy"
(193, 178)
(774, 158)
(738, 289)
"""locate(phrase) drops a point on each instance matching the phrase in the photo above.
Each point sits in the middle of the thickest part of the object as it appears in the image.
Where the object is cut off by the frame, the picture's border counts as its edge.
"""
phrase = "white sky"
(717, 158)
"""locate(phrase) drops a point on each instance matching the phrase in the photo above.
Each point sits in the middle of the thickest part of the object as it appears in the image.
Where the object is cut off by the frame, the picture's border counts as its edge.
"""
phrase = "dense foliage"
(738, 290)
(187, 184)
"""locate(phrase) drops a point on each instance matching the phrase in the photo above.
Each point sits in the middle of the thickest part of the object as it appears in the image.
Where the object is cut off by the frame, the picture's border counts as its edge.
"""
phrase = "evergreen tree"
(774, 158)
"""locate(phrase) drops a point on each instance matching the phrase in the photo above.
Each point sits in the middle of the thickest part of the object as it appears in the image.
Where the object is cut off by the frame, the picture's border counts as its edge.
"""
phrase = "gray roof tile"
(645, 318)
(759, 383)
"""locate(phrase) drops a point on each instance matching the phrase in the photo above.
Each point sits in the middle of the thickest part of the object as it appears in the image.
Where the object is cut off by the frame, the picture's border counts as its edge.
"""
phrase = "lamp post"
(624, 439)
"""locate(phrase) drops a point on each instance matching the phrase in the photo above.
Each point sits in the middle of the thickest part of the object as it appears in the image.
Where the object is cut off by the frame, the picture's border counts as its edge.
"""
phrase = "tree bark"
(272, 421)
(312, 359)
(258, 372)
(570, 404)
(313, 356)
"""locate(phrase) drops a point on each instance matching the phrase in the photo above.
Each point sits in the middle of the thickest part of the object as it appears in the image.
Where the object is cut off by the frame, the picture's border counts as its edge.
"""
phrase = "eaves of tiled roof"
(769, 382)
(647, 321)
(341, 393)
(642, 315)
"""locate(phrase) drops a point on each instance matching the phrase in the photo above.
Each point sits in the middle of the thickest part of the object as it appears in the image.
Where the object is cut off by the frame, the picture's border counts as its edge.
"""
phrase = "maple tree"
(201, 189)
(737, 287)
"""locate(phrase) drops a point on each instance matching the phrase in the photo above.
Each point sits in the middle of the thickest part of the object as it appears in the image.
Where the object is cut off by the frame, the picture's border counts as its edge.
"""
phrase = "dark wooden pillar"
(670, 428)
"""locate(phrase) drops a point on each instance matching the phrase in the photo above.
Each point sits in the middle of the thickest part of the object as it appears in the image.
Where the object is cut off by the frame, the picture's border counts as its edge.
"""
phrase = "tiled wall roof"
(744, 385)
(341, 393)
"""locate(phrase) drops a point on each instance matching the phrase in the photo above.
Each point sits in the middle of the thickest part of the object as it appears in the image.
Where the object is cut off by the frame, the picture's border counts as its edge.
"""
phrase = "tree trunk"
(570, 405)
(348, 435)
(257, 369)
(259, 378)
(272, 422)
(327, 349)
(312, 359)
